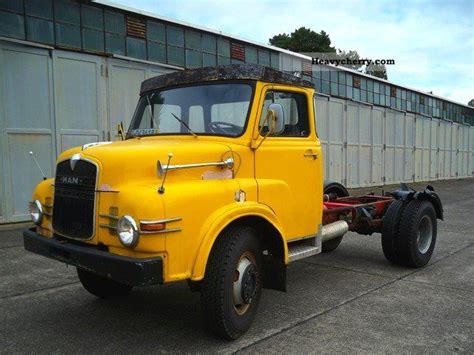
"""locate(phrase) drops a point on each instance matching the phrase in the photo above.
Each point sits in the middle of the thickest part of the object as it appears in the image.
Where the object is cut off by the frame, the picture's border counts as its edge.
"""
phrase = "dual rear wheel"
(409, 232)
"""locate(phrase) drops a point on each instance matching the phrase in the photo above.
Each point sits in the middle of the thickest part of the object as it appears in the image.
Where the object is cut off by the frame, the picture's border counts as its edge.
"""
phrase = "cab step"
(297, 251)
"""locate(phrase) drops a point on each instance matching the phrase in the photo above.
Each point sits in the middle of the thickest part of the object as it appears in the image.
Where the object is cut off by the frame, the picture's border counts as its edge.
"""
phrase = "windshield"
(209, 109)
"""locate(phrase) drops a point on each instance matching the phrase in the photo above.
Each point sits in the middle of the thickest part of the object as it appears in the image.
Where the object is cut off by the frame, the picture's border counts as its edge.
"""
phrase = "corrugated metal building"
(71, 70)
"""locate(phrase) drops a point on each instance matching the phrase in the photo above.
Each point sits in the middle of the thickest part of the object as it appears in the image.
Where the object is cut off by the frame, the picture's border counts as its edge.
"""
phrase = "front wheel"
(102, 287)
(231, 289)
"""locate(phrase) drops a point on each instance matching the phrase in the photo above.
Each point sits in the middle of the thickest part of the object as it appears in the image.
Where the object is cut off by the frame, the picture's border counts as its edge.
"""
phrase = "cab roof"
(225, 72)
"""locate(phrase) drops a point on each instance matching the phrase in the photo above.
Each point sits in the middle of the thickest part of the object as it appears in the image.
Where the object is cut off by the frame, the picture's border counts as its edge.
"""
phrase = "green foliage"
(380, 71)
(303, 40)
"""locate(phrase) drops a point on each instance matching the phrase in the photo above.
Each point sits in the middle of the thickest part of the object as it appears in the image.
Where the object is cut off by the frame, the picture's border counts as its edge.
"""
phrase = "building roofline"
(281, 50)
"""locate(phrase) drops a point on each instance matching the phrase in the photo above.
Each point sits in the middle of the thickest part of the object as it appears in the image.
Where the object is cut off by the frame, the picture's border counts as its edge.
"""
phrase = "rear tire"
(418, 232)
(390, 231)
(102, 287)
(231, 289)
(340, 191)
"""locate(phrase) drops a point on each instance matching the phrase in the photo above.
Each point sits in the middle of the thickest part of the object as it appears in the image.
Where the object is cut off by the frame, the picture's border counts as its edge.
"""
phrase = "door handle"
(310, 154)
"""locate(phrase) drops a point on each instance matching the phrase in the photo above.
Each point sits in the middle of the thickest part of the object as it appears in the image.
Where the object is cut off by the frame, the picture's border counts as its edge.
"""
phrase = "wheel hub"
(245, 283)
(425, 235)
(249, 284)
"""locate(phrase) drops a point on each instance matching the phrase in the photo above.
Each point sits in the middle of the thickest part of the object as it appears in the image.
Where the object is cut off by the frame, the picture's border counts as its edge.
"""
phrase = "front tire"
(231, 289)
(102, 287)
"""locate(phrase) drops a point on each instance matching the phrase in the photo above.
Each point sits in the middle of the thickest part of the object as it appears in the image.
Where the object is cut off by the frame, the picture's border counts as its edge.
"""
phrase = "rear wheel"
(390, 231)
(102, 287)
(418, 230)
(231, 289)
(338, 190)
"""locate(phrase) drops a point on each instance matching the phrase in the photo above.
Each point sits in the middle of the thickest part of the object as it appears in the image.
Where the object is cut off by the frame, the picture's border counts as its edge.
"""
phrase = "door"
(79, 87)
(409, 147)
(321, 105)
(377, 146)
(353, 145)
(288, 167)
(434, 149)
(123, 88)
(336, 154)
(454, 150)
(26, 124)
(389, 156)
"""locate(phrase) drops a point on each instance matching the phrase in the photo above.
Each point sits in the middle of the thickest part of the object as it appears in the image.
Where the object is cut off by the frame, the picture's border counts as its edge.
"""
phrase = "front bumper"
(126, 270)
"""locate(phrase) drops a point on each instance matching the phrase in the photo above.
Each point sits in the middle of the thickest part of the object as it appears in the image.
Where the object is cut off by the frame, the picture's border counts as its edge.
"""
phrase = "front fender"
(220, 219)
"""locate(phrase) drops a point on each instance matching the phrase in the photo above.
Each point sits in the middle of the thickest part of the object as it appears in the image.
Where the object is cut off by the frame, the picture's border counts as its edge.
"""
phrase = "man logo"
(69, 180)
(74, 160)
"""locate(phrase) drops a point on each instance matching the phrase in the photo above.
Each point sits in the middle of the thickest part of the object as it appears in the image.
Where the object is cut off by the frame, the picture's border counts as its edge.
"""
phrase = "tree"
(378, 70)
(352, 55)
(303, 40)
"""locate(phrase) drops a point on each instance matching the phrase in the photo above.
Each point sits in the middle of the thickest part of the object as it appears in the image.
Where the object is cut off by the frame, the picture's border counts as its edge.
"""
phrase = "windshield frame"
(251, 83)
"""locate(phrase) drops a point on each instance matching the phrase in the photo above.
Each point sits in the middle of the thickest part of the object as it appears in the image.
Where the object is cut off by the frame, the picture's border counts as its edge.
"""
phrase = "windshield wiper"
(185, 125)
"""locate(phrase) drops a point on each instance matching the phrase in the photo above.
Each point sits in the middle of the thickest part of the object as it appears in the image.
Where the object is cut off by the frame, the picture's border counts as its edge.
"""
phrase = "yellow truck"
(218, 181)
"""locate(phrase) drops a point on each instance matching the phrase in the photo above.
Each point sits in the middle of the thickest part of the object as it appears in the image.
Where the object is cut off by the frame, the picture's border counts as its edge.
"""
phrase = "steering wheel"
(224, 127)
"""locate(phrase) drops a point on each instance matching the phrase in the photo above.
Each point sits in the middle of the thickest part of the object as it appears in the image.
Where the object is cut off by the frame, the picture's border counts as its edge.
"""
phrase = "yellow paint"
(278, 183)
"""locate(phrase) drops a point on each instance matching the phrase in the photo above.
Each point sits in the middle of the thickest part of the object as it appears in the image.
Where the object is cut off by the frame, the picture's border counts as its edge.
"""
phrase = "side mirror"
(277, 126)
(275, 119)
(121, 130)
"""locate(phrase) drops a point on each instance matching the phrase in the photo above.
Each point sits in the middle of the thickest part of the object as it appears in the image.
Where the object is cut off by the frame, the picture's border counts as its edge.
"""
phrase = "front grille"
(74, 199)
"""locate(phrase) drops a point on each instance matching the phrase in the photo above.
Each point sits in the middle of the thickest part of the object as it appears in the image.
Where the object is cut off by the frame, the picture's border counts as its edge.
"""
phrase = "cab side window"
(295, 110)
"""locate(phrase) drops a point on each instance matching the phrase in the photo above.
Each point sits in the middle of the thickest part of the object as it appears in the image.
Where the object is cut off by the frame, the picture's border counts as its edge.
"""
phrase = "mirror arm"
(121, 131)
(267, 119)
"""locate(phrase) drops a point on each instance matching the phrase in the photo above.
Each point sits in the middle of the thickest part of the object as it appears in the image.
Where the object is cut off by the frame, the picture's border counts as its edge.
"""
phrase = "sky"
(432, 42)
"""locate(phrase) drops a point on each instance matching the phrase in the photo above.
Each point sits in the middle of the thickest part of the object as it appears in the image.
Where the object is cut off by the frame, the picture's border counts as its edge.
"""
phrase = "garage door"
(26, 125)
(79, 88)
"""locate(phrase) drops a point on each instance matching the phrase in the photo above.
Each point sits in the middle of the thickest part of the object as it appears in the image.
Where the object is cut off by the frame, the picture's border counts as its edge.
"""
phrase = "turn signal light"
(152, 227)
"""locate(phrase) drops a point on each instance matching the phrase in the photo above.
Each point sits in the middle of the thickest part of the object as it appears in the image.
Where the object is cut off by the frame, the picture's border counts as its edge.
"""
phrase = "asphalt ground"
(348, 301)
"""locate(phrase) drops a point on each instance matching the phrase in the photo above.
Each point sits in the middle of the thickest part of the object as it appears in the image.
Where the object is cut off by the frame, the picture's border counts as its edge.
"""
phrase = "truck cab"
(218, 181)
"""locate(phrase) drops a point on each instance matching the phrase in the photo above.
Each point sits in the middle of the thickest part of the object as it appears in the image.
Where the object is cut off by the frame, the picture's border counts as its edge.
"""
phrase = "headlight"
(128, 231)
(36, 212)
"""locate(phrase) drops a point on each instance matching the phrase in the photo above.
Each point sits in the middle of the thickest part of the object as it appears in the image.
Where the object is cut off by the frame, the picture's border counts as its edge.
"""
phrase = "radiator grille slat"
(74, 199)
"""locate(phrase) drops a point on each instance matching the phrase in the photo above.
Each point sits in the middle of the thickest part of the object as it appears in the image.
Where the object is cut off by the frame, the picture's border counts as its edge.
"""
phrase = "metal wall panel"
(464, 152)
(409, 156)
(422, 147)
(322, 127)
(434, 145)
(337, 164)
(454, 150)
(441, 147)
(389, 151)
(471, 154)
(123, 89)
(27, 125)
(364, 166)
(399, 172)
(378, 145)
(353, 144)
(79, 88)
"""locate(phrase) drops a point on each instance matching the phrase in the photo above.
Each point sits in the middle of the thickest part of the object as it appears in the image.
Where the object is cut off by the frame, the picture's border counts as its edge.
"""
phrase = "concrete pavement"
(350, 300)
